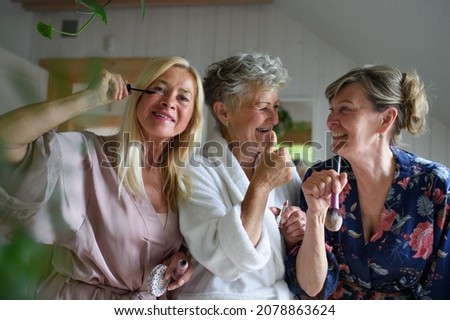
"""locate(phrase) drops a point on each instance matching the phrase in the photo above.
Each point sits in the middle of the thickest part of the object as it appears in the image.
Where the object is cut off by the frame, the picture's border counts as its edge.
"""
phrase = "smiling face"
(354, 123)
(166, 113)
(254, 120)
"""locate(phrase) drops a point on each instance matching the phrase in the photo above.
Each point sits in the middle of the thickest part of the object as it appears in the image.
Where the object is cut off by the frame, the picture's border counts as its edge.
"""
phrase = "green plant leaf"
(23, 266)
(45, 29)
(142, 9)
(285, 122)
(96, 9)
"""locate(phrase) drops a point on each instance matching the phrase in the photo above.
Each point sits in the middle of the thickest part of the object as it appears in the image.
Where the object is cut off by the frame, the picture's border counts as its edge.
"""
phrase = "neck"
(247, 162)
(374, 170)
(153, 152)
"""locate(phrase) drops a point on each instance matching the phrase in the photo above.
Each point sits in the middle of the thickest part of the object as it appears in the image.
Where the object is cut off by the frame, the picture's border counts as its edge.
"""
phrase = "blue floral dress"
(408, 256)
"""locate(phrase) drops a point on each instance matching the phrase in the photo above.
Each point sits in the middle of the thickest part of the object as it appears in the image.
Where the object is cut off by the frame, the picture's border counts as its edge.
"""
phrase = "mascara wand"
(129, 88)
(333, 221)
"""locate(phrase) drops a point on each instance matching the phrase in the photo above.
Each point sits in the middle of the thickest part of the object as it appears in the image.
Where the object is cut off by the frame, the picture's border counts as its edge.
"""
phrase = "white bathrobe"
(227, 265)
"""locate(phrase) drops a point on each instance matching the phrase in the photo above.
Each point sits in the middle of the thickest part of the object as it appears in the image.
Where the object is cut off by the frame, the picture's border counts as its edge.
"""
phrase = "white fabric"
(229, 266)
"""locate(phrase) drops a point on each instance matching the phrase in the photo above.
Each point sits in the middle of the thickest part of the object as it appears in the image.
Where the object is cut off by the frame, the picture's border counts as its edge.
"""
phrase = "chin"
(339, 146)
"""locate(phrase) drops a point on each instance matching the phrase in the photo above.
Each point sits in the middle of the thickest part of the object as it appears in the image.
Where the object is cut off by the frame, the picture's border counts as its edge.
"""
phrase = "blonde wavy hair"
(176, 153)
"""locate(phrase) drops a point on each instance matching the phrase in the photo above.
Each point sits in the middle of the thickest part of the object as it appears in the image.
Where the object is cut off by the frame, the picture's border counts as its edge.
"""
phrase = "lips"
(340, 139)
(338, 135)
(163, 116)
(263, 130)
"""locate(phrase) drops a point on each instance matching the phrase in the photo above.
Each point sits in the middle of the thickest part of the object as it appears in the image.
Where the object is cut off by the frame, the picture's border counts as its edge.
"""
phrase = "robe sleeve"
(25, 188)
(46, 192)
(436, 278)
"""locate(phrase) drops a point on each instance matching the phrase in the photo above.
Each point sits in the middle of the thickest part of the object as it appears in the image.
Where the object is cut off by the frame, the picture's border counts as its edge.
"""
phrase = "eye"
(340, 109)
(344, 109)
(261, 106)
(158, 90)
(184, 98)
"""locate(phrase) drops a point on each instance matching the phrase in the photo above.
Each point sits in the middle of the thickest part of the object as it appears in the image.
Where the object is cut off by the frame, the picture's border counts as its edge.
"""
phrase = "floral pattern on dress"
(407, 257)
(422, 240)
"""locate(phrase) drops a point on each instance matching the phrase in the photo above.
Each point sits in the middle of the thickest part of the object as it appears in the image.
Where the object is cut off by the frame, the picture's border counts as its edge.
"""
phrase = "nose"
(169, 101)
(274, 117)
(332, 119)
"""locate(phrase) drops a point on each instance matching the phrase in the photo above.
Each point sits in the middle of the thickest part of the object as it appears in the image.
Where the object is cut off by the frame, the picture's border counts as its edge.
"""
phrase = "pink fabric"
(104, 245)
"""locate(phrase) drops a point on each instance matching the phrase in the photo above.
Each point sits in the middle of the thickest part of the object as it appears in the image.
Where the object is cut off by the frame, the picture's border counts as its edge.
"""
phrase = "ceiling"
(39, 5)
(404, 33)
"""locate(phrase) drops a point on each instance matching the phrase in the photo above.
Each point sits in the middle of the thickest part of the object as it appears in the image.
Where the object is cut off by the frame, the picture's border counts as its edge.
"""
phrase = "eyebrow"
(266, 102)
(342, 101)
(186, 90)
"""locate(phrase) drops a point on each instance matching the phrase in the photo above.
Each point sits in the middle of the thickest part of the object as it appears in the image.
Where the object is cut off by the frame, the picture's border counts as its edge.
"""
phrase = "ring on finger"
(302, 222)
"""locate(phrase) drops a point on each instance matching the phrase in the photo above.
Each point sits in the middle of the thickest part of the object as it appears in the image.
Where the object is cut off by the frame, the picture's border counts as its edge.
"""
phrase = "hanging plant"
(97, 10)
(89, 7)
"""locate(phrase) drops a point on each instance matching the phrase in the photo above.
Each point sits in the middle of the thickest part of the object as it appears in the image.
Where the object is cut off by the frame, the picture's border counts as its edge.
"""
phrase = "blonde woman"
(107, 204)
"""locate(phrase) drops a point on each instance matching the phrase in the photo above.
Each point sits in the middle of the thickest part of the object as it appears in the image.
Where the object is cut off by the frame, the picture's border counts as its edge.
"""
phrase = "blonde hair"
(386, 87)
(177, 151)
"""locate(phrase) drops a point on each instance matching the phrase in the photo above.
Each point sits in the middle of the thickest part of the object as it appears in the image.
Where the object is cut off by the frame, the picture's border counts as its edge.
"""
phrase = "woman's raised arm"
(23, 125)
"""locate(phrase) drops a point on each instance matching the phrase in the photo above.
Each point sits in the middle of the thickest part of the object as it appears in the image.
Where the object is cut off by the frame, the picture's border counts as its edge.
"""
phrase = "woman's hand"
(172, 263)
(292, 225)
(318, 187)
(24, 125)
(109, 87)
(274, 167)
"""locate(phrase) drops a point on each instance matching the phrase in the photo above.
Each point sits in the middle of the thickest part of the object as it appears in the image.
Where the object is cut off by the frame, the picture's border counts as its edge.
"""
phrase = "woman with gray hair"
(394, 240)
(229, 228)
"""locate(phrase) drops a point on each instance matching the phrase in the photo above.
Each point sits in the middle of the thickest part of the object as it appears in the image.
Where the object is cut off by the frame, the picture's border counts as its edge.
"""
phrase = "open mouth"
(163, 116)
(338, 135)
(340, 139)
(263, 130)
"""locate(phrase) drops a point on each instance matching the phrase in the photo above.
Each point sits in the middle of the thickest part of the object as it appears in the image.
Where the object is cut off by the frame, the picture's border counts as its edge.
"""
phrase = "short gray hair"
(233, 80)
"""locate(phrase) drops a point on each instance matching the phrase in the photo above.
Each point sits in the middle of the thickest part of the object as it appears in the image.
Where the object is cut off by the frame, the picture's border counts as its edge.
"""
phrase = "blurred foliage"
(285, 122)
(23, 264)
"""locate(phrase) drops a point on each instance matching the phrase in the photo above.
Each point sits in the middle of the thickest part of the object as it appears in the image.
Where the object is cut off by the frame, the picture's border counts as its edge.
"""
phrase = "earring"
(226, 123)
(380, 135)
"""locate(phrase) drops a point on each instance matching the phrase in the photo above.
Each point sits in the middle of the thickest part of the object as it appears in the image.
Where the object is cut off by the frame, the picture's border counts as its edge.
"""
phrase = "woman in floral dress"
(395, 238)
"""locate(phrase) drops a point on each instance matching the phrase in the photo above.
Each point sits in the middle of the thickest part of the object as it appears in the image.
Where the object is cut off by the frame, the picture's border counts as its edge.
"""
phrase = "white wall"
(21, 82)
(16, 28)
(204, 34)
